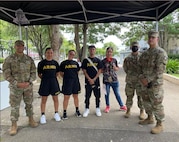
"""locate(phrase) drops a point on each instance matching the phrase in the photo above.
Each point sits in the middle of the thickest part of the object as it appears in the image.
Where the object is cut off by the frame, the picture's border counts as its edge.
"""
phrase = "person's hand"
(115, 67)
(91, 81)
(144, 82)
(23, 85)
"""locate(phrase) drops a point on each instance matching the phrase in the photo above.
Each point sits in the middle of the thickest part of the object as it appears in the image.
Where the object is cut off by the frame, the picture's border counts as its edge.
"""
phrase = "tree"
(45, 36)
(136, 30)
(8, 34)
(85, 34)
(56, 41)
(39, 36)
(168, 28)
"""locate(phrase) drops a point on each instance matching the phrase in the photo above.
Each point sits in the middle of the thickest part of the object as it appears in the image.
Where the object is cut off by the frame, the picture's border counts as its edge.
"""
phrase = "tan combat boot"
(158, 128)
(148, 120)
(142, 115)
(128, 113)
(32, 123)
(13, 130)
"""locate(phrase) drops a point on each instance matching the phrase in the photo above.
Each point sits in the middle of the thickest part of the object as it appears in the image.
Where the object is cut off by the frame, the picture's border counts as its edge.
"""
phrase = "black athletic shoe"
(65, 116)
(78, 114)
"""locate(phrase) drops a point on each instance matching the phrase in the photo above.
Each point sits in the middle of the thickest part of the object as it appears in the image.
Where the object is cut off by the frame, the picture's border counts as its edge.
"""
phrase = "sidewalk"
(110, 127)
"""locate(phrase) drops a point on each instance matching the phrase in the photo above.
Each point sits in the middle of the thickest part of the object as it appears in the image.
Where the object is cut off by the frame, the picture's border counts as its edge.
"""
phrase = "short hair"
(71, 51)
(49, 48)
(91, 46)
(109, 48)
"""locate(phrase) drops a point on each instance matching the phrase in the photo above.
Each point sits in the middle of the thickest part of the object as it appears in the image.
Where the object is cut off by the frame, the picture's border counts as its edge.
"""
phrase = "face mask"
(135, 48)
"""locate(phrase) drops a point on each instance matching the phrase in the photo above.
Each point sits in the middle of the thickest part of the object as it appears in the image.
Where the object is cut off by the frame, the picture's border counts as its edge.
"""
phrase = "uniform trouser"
(130, 89)
(97, 94)
(115, 87)
(16, 94)
(153, 98)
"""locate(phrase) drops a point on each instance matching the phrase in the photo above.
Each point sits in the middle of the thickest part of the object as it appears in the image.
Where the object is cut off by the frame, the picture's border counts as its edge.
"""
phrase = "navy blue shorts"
(71, 86)
(49, 86)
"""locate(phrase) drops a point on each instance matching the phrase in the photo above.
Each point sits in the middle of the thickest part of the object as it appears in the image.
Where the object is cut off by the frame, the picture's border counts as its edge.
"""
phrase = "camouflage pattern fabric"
(131, 67)
(152, 66)
(18, 69)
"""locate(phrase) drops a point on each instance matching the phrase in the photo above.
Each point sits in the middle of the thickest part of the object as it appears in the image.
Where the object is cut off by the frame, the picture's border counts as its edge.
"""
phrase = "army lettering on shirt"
(48, 69)
(91, 71)
(70, 67)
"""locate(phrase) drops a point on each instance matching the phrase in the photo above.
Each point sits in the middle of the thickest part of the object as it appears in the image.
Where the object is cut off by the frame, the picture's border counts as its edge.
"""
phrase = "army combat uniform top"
(131, 68)
(152, 66)
(17, 69)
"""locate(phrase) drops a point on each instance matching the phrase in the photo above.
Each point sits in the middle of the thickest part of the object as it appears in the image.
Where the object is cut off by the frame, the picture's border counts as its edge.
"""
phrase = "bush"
(172, 66)
(173, 56)
(1, 60)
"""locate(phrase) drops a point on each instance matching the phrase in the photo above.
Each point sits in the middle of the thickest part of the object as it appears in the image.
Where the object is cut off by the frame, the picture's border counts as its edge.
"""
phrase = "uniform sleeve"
(78, 66)
(39, 68)
(62, 69)
(103, 64)
(84, 64)
(141, 75)
(57, 67)
(32, 71)
(125, 65)
(100, 65)
(7, 73)
(161, 62)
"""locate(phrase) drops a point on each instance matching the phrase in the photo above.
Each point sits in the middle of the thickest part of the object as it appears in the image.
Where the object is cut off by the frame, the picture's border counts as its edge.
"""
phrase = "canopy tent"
(83, 11)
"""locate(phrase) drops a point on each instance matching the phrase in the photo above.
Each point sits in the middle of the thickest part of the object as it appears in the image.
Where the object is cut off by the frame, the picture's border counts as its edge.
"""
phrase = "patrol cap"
(153, 34)
(19, 43)
(91, 46)
(135, 43)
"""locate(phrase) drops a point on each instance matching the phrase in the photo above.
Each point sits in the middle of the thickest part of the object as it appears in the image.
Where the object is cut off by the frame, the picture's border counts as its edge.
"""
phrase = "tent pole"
(20, 32)
(156, 26)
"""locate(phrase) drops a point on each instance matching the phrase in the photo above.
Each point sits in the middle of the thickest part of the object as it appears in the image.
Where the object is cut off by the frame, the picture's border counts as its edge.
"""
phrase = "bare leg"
(56, 103)
(65, 101)
(43, 103)
(76, 101)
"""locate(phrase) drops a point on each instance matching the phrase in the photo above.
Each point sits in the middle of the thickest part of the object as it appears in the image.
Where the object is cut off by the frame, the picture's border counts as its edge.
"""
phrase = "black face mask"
(135, 48)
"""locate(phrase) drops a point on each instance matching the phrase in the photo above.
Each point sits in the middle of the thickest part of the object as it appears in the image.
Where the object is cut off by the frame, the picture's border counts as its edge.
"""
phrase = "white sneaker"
(85, 114)
(98, 112)
(43, 119)
(57, 117)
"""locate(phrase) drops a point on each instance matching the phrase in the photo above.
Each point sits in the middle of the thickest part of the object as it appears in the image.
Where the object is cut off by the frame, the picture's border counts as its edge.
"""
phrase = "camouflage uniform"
(132, 81)
(152, 66)
(18, 69)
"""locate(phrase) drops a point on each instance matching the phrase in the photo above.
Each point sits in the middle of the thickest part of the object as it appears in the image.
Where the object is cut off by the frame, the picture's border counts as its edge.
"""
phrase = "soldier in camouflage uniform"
(130, 67)
(152, 66)
(19, 69)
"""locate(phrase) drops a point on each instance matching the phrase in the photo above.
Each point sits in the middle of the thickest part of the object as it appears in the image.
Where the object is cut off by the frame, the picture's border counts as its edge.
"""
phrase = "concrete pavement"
(110, 127)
